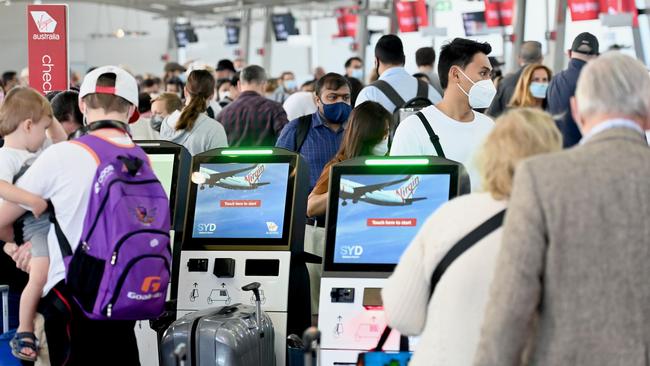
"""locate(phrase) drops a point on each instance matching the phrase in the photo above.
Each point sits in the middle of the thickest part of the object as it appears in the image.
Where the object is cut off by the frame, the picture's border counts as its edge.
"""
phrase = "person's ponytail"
(191, 112)
(200, 87)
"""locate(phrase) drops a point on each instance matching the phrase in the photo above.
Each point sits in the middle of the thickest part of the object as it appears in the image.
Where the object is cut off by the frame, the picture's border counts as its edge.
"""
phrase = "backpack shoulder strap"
(423, 89)
(302, 130)
(389, 92)
(463, 245)
(435, 140)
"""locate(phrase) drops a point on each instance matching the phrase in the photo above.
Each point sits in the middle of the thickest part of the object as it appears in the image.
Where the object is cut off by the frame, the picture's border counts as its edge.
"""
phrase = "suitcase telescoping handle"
(255, 287)
(4, 290)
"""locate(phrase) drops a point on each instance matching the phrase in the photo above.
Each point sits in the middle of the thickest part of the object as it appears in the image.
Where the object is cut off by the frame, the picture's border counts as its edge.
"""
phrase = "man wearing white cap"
(64, 174)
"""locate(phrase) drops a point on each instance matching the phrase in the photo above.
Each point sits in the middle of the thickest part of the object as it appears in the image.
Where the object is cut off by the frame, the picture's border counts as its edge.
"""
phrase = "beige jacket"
(575, 257)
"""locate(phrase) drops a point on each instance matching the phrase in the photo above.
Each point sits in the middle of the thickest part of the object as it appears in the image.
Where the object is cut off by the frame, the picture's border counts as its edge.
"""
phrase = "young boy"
(25, 118)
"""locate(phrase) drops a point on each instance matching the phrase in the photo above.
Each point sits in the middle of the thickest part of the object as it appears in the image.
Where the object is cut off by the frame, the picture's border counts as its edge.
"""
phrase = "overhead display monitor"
(375, 212)
(240, 200)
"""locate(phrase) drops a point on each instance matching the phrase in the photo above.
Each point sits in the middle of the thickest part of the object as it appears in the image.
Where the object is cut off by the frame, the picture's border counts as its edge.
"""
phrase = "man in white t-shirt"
(64, 174)
(464, 71)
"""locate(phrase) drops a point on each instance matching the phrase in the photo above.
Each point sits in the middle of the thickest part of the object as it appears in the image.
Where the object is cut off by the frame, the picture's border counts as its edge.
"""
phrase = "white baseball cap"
(125, 86)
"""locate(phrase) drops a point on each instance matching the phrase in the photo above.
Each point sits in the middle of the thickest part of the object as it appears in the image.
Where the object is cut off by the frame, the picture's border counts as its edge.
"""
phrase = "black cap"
(224, 65)
(585, 43)
(494, 62)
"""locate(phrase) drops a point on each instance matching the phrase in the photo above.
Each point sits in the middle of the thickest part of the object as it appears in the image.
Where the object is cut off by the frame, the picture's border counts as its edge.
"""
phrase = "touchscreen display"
(378, 215)
(163, 167)
(240, 200)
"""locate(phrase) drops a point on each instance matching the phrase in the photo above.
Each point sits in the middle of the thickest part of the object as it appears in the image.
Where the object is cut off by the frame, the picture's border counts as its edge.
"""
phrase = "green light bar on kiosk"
(234, 152)
(397, 161)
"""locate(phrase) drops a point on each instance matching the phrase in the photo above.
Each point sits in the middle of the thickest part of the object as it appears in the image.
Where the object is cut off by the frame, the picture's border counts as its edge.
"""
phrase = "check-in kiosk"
(171, 163)
(376, 206)
(245, 223)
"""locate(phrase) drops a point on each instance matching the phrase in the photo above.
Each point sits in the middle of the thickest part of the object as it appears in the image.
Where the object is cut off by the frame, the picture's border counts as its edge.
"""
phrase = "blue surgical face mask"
(538, 90)
(337, 113)
(290, 85)
(183, 78)
(357, 74)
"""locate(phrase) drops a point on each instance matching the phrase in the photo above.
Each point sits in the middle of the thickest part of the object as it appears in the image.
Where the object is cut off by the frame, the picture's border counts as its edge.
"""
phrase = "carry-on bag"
(235, 335)
(6, 358)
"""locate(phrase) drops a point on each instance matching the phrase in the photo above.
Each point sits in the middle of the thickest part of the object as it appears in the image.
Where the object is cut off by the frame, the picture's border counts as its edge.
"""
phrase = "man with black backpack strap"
(317, 136)
(452, 128)
(80, 329)
(396, 89)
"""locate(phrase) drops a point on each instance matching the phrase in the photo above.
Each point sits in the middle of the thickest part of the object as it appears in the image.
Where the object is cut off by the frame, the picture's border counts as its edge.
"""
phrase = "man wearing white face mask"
(451, 128)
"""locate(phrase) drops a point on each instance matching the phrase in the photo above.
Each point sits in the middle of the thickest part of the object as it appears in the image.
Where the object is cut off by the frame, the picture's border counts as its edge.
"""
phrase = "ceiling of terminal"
(189, 8)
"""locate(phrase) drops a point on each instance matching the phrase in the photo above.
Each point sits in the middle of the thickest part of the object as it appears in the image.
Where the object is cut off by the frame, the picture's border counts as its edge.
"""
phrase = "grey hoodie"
(207, 134)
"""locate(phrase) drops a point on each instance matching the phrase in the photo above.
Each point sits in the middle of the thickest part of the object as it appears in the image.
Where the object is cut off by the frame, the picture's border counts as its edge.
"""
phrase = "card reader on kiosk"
(376, 206)
(245, 223)
(171, 163)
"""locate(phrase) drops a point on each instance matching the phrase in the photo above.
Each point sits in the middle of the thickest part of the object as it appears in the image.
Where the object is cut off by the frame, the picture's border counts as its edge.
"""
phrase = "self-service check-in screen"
(378, 215)
(163, 167)
(240, 200)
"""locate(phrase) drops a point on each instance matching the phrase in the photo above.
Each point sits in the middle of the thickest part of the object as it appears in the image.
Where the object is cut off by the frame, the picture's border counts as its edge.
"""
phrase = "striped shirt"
(252, 120)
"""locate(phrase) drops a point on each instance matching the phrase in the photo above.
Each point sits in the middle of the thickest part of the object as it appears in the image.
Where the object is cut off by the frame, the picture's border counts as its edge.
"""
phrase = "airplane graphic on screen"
(376, 195)
(210, 178)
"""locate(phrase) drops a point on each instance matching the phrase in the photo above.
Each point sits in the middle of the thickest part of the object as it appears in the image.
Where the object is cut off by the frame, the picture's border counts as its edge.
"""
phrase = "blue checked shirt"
(321, 145)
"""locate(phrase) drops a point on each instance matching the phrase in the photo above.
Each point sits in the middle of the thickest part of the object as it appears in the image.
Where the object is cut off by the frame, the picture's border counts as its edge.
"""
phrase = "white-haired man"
(575, 252)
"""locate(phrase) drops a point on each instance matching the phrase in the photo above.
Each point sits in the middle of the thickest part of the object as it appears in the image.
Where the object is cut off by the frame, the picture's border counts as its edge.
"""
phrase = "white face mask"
(481, 93)
(381, 149)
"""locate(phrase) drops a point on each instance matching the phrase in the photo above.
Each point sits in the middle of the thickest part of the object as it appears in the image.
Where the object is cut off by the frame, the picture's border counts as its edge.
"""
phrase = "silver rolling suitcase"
(236, 335)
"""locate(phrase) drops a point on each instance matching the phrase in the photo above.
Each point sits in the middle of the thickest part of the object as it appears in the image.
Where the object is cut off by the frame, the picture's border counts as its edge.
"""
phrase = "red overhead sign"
(346, 18)
(620, 6)
(584, 9)
(47, 31)
(499, 13)
(411, 15)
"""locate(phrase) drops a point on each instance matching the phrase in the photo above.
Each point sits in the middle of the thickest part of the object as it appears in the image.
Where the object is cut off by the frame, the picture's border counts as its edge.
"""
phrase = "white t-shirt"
(459, 140)
(63, 174)
(11, 161)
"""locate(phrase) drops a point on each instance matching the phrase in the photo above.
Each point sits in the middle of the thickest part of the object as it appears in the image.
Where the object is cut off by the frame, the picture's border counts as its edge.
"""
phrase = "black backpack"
(403, 109)
(304, 125)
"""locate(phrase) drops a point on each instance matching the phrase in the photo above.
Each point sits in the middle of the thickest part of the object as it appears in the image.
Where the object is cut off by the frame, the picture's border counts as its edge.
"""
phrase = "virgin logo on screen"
(46, 26)
(407, 191)
(255, 175)
(351, 251)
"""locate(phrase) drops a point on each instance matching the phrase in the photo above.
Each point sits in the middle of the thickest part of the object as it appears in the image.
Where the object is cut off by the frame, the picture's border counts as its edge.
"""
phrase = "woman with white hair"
(449, 322)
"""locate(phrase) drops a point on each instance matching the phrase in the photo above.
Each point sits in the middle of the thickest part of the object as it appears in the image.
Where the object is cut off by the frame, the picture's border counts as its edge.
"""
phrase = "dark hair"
(459, 52)
(389, 50)
(253, 74)
(65, 107)
(108, 102)
(200, 87)
(367, 126)
(355, 88)
(235, 78)
(348, 63)
(311, 83)
(175, 81)
(144, 102)
(148, 83)
(7, 76)
(332, 81)
(425, 56)
(52, 94)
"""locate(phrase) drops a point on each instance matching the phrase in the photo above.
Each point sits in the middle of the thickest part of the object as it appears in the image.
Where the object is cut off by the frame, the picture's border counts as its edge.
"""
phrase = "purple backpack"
(120, 270)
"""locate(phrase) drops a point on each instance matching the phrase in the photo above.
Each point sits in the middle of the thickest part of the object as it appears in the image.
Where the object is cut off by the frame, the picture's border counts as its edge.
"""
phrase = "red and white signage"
(620, 6)
(346, 18)
(47, 31)
(411, 15)
(584, 9)
(383, 222)
(240, 203)
(499, 13)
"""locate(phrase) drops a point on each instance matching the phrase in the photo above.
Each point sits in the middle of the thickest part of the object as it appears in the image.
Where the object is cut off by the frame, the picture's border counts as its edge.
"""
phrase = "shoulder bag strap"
(302, 130)
(435, 140)
(423, 89)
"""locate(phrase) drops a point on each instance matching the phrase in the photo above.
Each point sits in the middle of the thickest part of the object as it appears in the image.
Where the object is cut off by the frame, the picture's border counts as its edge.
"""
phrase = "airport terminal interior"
(333, 182)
